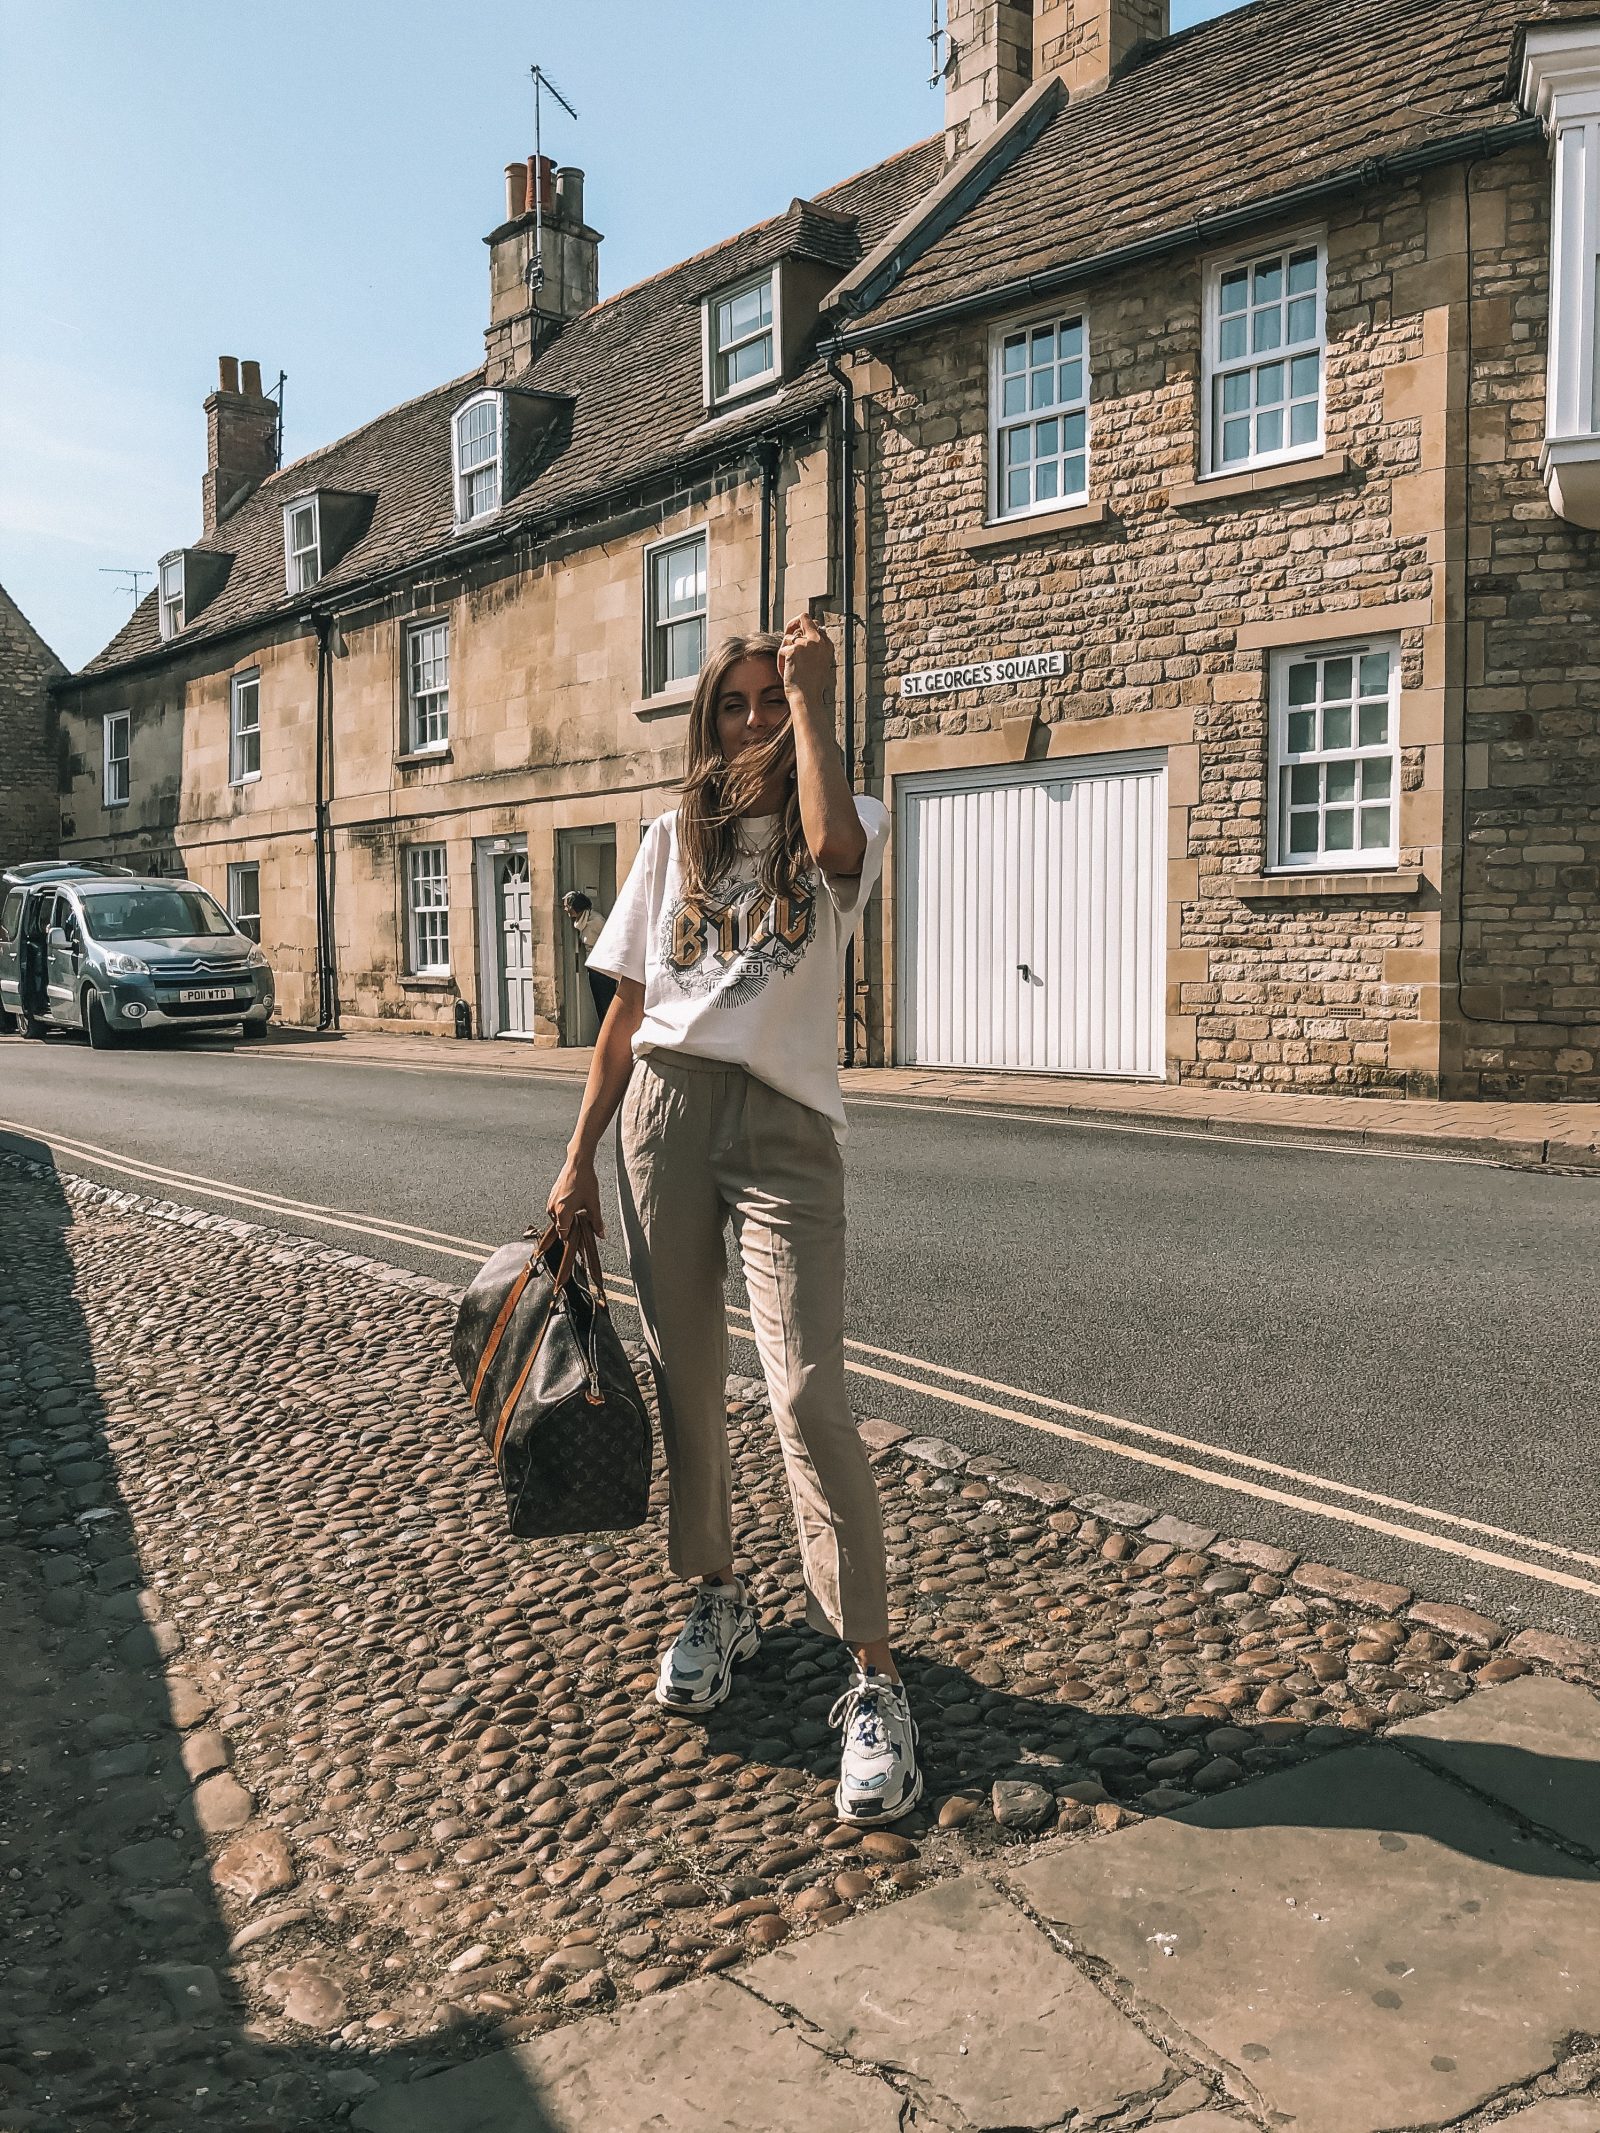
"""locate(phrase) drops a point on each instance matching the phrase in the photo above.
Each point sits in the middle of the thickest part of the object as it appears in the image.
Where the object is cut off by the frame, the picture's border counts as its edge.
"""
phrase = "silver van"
(113, 955)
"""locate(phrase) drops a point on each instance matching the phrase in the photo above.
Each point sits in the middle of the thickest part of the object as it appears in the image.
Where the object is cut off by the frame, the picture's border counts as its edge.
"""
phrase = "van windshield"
(151, 914)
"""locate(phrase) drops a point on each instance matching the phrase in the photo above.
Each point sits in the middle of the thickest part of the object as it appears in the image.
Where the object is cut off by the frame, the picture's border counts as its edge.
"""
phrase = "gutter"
(1197, 234)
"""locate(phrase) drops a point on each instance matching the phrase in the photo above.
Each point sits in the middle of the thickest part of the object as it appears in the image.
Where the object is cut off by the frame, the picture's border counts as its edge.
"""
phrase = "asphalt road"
(1328, 1328)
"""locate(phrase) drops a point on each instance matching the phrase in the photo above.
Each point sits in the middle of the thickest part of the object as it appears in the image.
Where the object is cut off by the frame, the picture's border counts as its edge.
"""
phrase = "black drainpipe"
(322, 855)
(767, 460)
(847, 673)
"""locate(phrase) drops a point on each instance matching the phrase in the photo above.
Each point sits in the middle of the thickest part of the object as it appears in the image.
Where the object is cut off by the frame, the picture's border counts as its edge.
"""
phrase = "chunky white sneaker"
(878, 1775)
(697, 1668)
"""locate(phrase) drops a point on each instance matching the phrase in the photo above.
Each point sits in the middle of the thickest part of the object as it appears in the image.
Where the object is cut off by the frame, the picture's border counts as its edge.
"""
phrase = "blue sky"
(308, 183)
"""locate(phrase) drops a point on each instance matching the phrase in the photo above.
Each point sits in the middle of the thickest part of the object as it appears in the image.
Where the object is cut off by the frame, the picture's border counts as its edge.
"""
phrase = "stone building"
(30, 809)
(1228, 430)
(396, 698)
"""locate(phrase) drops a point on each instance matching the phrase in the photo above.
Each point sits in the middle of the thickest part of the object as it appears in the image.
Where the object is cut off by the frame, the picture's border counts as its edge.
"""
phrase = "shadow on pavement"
(115, 2006)
(1066, 1746)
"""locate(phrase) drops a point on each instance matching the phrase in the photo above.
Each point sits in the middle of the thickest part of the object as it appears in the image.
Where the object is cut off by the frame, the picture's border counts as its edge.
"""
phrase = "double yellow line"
(1140, 1443)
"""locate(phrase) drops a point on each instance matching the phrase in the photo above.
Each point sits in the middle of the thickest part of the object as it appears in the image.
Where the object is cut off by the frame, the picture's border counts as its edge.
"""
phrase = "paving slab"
(1533, 1743)
(961, 1992)
(707, 2058)
(1366, 1943)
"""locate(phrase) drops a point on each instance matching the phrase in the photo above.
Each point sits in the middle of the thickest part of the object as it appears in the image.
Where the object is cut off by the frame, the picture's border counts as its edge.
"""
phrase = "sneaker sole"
(745, 1648)
(858, 1820)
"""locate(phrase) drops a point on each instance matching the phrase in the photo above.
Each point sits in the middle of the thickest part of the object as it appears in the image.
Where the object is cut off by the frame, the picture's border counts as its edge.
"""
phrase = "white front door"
(1030, 917)
(514, 906)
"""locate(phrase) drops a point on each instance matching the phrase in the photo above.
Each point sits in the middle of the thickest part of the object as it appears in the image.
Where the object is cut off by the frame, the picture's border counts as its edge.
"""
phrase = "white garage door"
(1030, 917)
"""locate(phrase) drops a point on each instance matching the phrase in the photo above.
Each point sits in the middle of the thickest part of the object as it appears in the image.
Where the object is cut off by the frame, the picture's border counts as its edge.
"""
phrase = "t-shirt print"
(727, 949)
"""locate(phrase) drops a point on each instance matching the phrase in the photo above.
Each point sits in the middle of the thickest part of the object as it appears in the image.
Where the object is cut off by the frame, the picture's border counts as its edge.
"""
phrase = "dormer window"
(742, 336)
(188, 578)
(302, 544)
(319, 530)
(478, 439)
(171, 595)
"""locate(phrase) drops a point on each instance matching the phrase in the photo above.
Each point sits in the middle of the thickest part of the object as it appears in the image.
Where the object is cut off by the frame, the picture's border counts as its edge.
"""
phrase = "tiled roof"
(1236, 111)
(632, 367)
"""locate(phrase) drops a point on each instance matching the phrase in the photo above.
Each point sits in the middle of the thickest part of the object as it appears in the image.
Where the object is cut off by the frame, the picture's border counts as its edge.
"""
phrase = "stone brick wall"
(1530, 947)
(29, 803)
(1169, 596)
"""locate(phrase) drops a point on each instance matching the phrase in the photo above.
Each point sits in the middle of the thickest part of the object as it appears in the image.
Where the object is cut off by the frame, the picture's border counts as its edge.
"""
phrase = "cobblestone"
(336, 1682)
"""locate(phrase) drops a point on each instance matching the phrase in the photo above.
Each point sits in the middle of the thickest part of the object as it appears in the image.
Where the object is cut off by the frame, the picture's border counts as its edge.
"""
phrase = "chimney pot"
(516, 191)
(228, 374)
(569, 196)
(250, 379)
(541, 181)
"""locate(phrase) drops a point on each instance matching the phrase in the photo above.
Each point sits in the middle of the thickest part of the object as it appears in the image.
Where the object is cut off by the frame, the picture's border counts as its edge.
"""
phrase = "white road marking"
(475, 1250)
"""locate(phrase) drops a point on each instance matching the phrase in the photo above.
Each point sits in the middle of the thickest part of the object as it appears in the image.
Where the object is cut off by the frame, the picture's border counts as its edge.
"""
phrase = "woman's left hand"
(805, 660)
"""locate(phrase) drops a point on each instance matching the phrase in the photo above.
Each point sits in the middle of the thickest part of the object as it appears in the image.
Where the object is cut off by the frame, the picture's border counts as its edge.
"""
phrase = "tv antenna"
(541, 82)
(938, 35)
(112, 570)
(275, 392)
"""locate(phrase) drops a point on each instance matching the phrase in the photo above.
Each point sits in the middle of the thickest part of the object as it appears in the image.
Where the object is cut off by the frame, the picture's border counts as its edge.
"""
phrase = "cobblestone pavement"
(312, 1770)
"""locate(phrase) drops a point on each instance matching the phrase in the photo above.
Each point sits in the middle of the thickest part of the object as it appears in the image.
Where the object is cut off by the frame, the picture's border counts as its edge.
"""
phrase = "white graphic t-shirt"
(750, 980)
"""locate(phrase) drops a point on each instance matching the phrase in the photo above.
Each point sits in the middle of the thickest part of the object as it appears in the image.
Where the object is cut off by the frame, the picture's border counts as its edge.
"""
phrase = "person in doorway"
(721, 1052)
(587, 925)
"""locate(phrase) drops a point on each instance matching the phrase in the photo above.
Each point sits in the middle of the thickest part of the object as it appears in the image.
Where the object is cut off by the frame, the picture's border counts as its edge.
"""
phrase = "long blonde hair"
(715, 792)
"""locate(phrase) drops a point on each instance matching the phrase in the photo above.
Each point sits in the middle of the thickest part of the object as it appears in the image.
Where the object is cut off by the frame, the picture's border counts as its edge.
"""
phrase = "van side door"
(64, 949)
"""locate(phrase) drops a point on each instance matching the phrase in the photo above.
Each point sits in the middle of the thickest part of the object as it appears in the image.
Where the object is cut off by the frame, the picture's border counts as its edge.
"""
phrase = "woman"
(721, 1048)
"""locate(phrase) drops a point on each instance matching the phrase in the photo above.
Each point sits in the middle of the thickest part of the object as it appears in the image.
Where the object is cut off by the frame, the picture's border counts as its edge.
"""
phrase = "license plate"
(198, 993)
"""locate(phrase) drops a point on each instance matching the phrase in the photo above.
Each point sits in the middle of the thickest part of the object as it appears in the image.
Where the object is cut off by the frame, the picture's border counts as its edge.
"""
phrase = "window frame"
(246, 678)
(711, 348)
(490, 397)
(164, 605)
(1213, 368)
(999, 426)
(416, 967)
(294, 579)
(412, 741)
(1281, 760)
(244, 920)
(655, 682)
(111, 721)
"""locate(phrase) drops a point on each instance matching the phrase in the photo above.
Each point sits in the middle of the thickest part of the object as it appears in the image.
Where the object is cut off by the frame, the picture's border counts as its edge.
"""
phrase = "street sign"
(986, 674)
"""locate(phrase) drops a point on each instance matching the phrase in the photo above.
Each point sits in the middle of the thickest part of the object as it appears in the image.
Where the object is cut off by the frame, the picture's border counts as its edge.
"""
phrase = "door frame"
(987, 777)
(491, 974)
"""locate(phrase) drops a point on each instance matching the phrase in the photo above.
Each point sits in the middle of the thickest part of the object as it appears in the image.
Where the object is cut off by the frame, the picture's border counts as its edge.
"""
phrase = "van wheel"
(102, 1037)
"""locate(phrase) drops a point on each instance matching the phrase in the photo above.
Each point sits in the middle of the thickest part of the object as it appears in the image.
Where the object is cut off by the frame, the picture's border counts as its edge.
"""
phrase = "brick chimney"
(1085, 41)
(998, 48)
(544, 264)
(241, 440)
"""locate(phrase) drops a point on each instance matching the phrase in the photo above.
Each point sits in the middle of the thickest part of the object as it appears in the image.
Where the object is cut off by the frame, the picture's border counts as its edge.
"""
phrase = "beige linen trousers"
(703, 1145)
